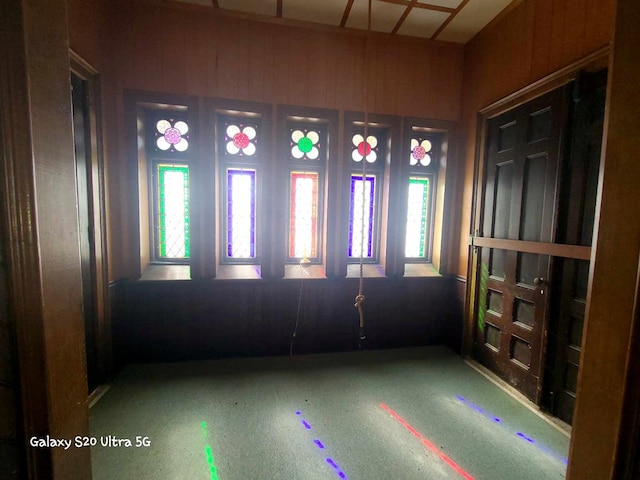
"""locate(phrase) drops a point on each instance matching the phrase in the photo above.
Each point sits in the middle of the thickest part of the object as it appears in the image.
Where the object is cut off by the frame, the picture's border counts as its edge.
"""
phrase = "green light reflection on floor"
(209, 454)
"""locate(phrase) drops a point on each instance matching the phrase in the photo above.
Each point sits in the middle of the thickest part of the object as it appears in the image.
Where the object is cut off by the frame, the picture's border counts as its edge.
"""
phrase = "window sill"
(420, 270)
(368, 270)
(299, 272)
(166, 272)
(238, 272)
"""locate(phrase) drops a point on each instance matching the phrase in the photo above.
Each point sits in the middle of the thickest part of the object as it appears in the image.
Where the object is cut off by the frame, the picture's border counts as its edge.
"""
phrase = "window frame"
(442, 133)
(154, 157)
(429, 172)
(214, 175)
(227, 162)
(383, 263)
(324, 266)
(138, 189)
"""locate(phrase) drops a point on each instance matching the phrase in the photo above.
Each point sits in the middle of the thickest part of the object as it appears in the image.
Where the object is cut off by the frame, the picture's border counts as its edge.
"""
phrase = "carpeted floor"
(396, 414)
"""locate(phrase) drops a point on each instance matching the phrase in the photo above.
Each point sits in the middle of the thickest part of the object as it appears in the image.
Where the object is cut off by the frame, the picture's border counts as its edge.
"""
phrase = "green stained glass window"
(417, 218)
(305, 144)
(172, 210)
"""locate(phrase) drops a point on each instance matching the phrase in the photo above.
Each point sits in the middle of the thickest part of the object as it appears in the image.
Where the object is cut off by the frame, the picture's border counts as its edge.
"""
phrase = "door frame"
(97, 213)
(593, 62)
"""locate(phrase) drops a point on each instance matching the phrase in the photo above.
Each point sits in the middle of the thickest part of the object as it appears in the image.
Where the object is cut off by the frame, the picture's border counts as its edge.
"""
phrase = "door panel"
(575, 226)
(519, 203)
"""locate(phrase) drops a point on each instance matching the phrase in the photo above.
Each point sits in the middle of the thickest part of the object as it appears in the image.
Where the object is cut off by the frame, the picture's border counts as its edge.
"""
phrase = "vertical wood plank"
(541, 38)
(196, 56)
(172, 52)
(575, 15)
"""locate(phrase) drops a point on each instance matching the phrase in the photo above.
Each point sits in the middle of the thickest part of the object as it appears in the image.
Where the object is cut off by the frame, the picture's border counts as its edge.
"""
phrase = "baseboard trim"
(558, 424)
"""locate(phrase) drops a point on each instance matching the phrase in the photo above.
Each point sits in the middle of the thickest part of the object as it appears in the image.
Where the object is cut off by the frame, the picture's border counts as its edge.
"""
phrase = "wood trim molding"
(577, 252)
(592, 62)
(39, 199)
(98, 212)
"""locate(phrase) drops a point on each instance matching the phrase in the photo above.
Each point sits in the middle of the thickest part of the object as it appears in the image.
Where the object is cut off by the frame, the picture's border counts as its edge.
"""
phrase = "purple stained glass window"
(361, 220)
(421, 152)
(171, 135)
(241, 213)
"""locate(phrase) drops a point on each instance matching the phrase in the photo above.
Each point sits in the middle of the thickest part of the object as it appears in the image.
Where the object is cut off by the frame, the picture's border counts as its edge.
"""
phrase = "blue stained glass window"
(173, 211)
(417, 218)
(360, 224)
(241, 213)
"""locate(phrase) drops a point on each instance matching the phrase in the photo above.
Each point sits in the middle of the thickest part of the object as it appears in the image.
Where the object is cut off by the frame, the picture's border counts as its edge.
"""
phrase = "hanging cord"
(295, 330)
(359, 300)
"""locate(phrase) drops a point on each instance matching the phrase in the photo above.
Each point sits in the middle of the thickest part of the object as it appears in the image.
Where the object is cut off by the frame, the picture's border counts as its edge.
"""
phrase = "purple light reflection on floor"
(321, 446)
(519, 434)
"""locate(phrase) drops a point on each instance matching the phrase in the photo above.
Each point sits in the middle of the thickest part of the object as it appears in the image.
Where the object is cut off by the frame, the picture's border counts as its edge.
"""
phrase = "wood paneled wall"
(533, 40)
(179, 49)
(185, 320)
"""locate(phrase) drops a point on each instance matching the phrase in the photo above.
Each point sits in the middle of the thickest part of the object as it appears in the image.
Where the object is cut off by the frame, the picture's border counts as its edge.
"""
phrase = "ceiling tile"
(442, 3)
(471, 19)
(422, 23)
(384, 16)
(326, 11)
(259, 7)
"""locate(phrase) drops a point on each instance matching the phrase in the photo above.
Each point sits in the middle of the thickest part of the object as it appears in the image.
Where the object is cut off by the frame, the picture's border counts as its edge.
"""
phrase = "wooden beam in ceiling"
(279, 9)
(448, 20)
(424, 6)
(404, 16)
(347, 11)
(215, 3)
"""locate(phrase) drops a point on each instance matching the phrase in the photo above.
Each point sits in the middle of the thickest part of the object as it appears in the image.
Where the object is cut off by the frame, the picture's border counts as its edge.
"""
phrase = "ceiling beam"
(424, 6)
(215, 3)
(279, 9)
(347, 11)
(404, 16)
(448, 20)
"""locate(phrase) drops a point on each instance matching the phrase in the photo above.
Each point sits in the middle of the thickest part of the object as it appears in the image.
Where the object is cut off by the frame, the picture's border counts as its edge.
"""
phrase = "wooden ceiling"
(447, 20)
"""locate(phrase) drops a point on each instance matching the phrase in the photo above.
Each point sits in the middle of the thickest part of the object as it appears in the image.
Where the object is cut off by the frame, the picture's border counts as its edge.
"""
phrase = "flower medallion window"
(239, 143)
(364, 193)
(307, 159)
(422, 176)
(167, 152)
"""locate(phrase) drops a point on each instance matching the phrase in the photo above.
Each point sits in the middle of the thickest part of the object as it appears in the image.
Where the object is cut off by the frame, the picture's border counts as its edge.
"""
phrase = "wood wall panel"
(167, 321)
(188, 50)
(537, 38)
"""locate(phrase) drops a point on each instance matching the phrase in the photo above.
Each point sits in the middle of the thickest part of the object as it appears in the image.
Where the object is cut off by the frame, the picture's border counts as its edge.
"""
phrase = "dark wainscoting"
(159, 321)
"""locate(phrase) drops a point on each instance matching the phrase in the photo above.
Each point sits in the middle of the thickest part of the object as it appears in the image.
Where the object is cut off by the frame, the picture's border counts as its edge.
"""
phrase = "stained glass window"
(303, 215)
(362, 148)
(417, 218)
(241, 213)
(171, 135)
(360, 224)
(173, 210)
(305, 144)
(240, 139)
(421, 152)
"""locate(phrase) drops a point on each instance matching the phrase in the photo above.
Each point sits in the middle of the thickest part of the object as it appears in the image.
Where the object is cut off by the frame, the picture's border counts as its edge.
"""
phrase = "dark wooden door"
(575, 226)
(519, 199)
(85, 223)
